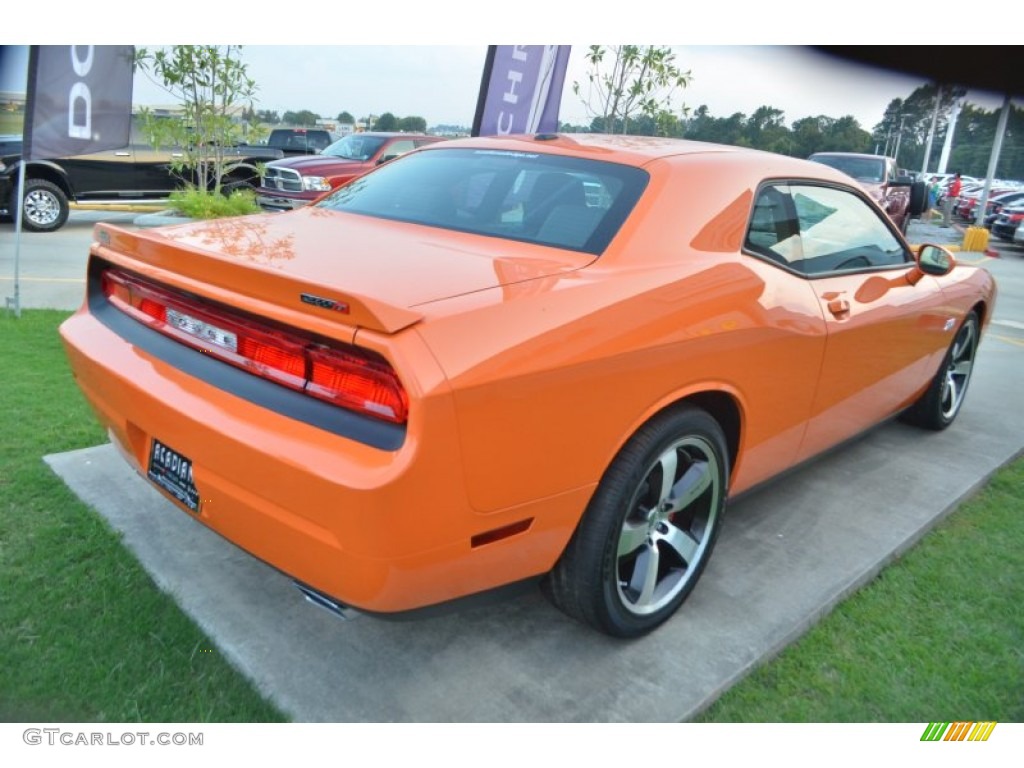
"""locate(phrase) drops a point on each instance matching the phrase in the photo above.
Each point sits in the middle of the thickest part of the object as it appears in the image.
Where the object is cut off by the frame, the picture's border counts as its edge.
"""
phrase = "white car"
(1018, 235)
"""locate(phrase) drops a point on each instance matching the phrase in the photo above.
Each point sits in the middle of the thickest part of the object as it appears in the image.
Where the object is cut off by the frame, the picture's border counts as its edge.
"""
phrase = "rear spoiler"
(212, 274)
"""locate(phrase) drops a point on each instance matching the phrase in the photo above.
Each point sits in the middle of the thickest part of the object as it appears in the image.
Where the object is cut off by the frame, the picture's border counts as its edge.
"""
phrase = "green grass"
(11, 122)
(84, 633)
(86, 636)
(938, 636)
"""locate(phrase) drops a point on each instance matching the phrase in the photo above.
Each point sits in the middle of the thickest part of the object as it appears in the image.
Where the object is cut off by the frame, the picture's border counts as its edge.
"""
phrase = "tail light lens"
(344, 375)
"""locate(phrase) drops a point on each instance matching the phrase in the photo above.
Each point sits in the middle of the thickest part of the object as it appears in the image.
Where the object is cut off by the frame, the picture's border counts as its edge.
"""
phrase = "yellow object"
(975, 239)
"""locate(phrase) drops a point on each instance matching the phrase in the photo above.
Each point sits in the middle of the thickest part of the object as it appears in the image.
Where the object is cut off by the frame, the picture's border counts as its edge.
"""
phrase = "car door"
(100, 175)
(155, 176)
(886, 322)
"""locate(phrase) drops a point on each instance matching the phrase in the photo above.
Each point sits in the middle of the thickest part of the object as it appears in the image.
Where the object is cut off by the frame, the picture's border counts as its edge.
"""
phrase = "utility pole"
(993, 160)
(931, 130)
(954, 113)
(899, 138)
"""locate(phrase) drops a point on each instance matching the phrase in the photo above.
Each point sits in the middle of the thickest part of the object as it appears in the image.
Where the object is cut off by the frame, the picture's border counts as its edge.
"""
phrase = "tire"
(938, 407)
(639, 549)
(44, 207)
(232, 185)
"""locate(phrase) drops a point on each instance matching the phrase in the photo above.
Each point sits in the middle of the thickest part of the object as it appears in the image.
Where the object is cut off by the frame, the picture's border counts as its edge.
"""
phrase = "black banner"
(78, 100)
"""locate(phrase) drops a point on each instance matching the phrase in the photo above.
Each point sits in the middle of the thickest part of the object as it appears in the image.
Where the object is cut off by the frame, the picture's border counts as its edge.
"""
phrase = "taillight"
(343, 375)
(355, 382)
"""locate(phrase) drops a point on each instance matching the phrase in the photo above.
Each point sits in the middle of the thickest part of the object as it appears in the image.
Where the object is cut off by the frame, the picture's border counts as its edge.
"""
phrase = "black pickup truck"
(301, 141)
(136, 174)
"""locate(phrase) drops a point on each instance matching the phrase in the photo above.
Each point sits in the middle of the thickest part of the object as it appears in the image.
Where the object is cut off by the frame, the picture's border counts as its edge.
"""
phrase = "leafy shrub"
(203, 204)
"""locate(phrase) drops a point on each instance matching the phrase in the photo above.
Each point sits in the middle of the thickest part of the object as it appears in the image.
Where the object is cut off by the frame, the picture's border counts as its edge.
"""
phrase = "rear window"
(565, 202)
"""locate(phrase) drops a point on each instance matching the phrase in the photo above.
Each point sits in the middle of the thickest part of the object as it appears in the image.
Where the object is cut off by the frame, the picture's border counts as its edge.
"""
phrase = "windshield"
(355, 147)
(564, 202)
(861, 168)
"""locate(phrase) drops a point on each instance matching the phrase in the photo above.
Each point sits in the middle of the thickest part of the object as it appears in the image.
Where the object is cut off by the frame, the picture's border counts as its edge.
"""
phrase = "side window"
(396, 148)
(839, 231)
(817, 230)
(774, 231)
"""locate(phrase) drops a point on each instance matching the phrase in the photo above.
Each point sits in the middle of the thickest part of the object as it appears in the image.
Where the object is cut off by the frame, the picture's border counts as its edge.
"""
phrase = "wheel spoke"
(668, 461)
(964, 345)
(645, 575)
(962, 368)
(682, 543)
(691, 485)
(953, 393)
(633, 536)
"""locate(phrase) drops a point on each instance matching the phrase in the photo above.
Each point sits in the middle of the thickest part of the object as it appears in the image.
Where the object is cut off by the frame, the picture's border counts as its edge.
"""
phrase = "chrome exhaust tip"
(319, 599)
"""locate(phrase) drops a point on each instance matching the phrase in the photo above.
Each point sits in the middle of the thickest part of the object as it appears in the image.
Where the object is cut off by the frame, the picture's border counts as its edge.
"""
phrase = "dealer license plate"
(173, 472)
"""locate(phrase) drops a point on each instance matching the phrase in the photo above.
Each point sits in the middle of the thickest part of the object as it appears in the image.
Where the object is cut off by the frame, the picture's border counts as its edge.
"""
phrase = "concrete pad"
(787, 554)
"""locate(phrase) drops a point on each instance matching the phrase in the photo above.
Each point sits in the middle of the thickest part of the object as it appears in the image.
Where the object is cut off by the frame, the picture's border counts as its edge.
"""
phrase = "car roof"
(389, 134)
(618, 148)
(642, 151)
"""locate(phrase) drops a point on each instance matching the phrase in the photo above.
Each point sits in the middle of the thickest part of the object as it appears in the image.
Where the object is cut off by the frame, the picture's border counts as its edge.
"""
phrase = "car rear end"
(312, 428)
(1005, 225)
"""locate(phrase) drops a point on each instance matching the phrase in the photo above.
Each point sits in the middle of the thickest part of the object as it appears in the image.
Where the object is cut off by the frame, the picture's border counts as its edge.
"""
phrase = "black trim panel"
(266, 394)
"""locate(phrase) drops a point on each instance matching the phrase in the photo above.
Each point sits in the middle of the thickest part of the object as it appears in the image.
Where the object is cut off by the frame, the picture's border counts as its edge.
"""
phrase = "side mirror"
(931, 260)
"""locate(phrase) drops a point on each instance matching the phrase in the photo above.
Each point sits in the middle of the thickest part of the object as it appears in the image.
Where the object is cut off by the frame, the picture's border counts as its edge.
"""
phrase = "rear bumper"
(381, 529)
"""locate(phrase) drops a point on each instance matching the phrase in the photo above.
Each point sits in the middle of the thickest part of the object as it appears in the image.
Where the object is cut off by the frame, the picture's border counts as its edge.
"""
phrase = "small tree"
(304, 118)
(386, 122)
(212, 87)
(345, 118)
(412, 124)
(641, 80)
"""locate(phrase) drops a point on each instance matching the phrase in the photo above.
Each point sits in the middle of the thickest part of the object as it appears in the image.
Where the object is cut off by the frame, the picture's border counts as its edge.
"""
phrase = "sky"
(412, 59)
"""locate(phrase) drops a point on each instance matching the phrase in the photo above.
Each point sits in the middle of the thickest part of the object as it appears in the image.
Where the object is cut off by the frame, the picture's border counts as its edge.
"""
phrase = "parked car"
(136, 174)
(997, 203)
(1004, 226)
(898, 195)
(295, 182)
(505, 358)
(1018, 235)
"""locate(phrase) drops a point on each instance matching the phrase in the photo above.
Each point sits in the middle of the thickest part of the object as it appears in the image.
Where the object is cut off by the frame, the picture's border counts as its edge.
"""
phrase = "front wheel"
(941, 402)
(648, 532)
(44, 207)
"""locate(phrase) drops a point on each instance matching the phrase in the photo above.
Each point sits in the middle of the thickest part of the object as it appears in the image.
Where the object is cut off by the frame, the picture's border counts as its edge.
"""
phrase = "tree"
(386, 122)
(345, 118)
(412, 124)
(212, 87)
(629, 80)
(303, 118)
(767, 130)
(268, 116)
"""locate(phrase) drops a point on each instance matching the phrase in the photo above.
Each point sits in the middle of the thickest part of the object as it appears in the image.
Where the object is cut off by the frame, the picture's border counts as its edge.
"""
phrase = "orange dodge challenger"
(501, 358)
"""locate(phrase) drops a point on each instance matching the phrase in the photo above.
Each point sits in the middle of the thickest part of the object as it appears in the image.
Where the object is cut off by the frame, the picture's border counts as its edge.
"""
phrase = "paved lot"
(787, 554)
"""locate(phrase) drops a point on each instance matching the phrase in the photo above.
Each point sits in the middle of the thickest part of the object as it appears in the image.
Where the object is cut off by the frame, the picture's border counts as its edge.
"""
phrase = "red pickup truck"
(297, 181)
(898, 195)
